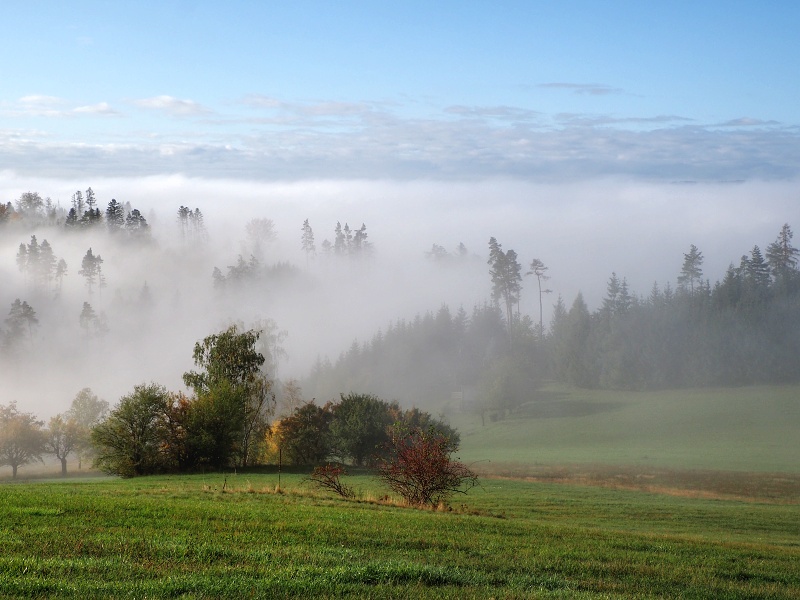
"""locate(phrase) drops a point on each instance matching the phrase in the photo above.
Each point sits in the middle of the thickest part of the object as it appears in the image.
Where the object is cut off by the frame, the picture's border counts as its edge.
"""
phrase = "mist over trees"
(744, 329)
(88, 288)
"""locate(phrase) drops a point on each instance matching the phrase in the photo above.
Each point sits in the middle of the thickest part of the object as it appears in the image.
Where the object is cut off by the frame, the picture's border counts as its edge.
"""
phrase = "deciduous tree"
(129, 441)
(62, 437)
(86, 411)
(359, 428)
(231, 356)
(21, 438)
(304, 437)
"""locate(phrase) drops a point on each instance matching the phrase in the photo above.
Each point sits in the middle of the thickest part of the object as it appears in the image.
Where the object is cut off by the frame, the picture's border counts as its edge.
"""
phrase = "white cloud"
(276, 139)
(101, 108)
(173, 106)
(36, 105)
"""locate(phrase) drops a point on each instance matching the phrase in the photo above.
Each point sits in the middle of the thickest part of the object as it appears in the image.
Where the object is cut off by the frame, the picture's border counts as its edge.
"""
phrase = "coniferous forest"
(743, 329)
(739, 327)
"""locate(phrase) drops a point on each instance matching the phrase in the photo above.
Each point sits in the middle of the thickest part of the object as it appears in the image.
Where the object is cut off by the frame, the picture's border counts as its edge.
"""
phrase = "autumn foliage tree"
(418, 466)
(304, 438)
(21, 438)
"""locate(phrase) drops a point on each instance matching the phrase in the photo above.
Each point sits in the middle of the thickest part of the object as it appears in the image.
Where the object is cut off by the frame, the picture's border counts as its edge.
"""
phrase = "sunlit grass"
(186, 537)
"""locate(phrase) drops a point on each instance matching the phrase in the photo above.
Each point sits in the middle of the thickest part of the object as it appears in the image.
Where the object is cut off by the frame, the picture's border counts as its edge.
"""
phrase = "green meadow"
(733, 429)
(595, 534)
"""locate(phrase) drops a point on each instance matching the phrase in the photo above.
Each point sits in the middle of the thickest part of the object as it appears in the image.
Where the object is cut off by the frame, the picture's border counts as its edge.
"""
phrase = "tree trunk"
(14, 471)
(64, 467)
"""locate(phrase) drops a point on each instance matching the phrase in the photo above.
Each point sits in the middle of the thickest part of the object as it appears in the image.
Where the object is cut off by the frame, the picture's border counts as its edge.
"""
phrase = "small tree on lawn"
(62, 438)
(419, 466)
(329, 478)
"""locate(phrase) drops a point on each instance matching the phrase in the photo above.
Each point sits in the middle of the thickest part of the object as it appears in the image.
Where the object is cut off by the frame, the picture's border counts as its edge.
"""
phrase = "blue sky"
(293, 90)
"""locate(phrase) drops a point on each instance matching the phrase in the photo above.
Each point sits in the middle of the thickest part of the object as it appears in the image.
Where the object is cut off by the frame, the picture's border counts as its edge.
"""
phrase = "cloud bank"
(266, 138)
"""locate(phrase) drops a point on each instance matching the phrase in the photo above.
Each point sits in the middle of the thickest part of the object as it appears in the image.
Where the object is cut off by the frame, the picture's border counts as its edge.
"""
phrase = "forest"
(742, 330)
(487, 357)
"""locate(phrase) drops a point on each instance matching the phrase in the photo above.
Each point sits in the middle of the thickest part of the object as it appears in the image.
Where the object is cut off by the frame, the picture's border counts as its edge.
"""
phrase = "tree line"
(24, 438)
(743, 329)
(224, 421)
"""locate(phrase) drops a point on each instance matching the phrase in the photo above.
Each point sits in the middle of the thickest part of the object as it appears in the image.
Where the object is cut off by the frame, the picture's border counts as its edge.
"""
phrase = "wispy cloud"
(173, 106)
(264, 137)
(53, 107)
(585, 120)
(590, 89)
(101, 108)
(506, 113)
(748, 122)
(36, 105)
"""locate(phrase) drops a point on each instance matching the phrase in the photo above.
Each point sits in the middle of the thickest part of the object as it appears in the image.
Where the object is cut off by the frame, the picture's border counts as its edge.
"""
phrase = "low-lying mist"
(160, 297)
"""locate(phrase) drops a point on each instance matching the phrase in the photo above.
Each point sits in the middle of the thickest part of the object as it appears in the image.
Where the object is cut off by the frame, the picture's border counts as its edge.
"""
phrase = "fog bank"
(583, 232)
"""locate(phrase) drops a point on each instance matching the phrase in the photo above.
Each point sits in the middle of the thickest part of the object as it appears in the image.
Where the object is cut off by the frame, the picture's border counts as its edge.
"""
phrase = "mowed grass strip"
(186, 537)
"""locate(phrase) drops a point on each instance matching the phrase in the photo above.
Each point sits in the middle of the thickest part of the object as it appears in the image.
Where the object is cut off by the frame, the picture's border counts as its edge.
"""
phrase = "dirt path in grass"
(781, 488)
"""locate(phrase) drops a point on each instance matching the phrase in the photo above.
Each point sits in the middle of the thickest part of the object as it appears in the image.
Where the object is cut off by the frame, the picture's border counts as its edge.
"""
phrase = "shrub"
(328, 478)
(418, 466)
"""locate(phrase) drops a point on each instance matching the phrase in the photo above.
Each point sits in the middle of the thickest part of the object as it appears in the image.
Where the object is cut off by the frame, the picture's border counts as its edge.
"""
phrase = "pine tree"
(782, 259)
(538, 269)
(47, 264)
(360, 245)
(136, 225)
(91, 201)
(115, 216)
(90, 269)
(32, 265)
(339, 243)
(71, 222)
(307, 241)
(506, 275)
(78, 205)
(22, 258)
(692, 271)
(88, 318)
(61, 271)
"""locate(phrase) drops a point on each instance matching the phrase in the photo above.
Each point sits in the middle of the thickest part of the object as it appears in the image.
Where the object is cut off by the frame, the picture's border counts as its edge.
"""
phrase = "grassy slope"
(740, 429)
(185, 537)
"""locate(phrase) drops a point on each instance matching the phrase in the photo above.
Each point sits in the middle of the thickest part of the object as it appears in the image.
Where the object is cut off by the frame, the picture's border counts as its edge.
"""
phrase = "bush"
(328, 478)
(419, 468)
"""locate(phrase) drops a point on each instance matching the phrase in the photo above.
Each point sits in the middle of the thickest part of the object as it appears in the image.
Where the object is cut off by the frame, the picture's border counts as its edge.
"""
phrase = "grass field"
(233, 536)
(755, 429)
(692, 494)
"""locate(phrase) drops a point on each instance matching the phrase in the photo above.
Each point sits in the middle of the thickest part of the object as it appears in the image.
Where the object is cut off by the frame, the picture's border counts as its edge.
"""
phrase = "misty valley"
(108, 299)
(246, 369)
